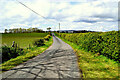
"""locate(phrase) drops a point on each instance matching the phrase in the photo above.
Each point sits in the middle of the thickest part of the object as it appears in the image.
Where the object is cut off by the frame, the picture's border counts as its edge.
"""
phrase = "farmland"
(22, 39)
(12, 56)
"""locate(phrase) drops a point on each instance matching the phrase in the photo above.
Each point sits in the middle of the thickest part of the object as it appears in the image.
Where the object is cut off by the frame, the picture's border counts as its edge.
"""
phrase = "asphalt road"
(58, 61)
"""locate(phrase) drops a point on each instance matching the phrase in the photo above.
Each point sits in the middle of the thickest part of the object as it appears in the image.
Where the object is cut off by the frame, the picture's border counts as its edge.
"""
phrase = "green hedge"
(10, 52)
(41, 41)
(47, 37)
(105, 43)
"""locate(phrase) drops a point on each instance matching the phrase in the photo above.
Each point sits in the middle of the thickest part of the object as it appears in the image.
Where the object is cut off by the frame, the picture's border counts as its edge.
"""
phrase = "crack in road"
(58, 61)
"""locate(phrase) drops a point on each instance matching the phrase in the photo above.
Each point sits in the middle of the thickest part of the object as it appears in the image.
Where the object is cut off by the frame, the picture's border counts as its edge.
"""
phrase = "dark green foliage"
(10, 52)
(47, 37)
(39, 42)
(105, 43)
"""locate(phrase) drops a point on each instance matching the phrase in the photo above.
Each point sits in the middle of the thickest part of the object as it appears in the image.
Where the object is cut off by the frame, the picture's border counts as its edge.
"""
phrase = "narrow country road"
(58, 61)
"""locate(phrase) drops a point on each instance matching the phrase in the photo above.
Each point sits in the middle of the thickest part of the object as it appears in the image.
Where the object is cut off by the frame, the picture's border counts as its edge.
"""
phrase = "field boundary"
(23, 58)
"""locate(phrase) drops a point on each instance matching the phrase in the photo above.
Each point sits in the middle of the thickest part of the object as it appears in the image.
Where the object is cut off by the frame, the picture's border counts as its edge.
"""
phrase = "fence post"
(13, 45)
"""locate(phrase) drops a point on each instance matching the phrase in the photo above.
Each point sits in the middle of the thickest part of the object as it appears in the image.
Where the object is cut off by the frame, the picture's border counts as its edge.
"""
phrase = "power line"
(34, 11)
(59, 29)
(31, 10)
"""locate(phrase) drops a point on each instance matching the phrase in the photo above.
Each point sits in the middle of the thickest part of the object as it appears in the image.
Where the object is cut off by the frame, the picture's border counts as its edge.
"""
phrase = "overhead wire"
(37, 13)
(33, 11)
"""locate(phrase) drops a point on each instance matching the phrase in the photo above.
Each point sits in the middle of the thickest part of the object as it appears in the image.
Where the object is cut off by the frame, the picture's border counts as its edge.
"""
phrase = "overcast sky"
(95, 15)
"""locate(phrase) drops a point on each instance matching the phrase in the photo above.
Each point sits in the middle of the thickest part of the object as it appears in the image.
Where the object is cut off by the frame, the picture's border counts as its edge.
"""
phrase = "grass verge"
(20, 59)
(95, 66)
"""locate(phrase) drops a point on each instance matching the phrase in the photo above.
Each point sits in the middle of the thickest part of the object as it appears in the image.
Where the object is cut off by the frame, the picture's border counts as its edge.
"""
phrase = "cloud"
(72, 14)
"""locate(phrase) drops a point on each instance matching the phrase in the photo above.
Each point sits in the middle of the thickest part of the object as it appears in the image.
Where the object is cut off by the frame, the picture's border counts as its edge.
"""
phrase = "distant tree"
(29, 30)
(33, 29)
(39, 31)
(20, 29)
(36, 29)
(24, 30)
(14, 30)
(17, 30)
(10, 30)
(48, 29)
(6, 30)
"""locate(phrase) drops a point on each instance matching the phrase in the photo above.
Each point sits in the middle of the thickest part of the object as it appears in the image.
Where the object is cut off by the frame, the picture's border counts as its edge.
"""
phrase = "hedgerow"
(104, 43)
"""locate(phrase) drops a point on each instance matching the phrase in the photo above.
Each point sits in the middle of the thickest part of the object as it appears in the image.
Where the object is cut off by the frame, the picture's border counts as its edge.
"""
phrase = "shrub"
(47, 37)
(39, 42)
(10, 52)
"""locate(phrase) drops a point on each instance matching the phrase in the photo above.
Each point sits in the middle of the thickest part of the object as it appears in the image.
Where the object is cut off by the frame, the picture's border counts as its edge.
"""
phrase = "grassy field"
(94, 66)
(22, 39)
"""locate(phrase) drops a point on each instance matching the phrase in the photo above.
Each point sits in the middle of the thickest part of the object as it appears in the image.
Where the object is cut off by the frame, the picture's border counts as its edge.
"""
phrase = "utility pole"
(59, 29)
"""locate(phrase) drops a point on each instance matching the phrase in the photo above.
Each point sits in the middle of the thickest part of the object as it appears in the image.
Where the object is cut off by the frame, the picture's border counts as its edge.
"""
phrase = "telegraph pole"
(59, 29)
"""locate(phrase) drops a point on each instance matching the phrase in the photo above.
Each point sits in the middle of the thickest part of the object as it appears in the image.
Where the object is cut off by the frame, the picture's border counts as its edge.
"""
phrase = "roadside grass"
(95, 66)
(23, 58)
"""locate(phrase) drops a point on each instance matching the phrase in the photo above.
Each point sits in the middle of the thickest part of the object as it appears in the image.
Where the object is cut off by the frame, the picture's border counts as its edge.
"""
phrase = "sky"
(94, 15)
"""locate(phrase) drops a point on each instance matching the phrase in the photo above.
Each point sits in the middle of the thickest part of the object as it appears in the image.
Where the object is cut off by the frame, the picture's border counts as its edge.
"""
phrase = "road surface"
(58, 61)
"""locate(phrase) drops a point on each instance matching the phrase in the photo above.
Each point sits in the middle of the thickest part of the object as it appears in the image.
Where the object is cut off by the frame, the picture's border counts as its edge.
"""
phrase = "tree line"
(23, 30)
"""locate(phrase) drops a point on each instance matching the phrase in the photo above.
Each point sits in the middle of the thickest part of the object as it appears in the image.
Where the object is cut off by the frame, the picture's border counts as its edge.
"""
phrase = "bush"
(10, 52)
(39, 42)
(47, 37)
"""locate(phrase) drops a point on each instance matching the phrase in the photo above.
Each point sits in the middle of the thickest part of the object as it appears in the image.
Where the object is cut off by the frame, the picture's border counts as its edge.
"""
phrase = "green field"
(22, 39)
(34, 51)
